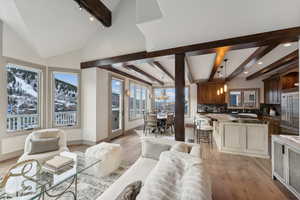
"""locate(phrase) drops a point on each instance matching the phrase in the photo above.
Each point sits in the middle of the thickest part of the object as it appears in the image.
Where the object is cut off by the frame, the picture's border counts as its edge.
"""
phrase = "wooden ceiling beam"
(114, 70)
(282, 62)
(189, 72)
(242, 42)
(253, 58)
(163, 69)
(97, 9)
(220, 54)
(138, 70)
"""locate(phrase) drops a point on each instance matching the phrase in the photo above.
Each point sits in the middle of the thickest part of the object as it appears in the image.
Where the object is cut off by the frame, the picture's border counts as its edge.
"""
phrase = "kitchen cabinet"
(272, 90)
(207, 93)
(249, 139)
(286, 162)
(276, 85)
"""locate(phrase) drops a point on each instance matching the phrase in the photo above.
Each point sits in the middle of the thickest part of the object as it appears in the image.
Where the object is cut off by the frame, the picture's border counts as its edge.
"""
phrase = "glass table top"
(34, 181)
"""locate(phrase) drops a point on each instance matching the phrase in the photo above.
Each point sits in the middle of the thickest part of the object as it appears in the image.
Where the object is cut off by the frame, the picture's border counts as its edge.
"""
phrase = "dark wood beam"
(97, 9)
(163, 69)
(189, 72)
(253, 58)
(220, 54)
(179, 96)
(242, 42)
(138, 70)
(285, 61)
(114, 70)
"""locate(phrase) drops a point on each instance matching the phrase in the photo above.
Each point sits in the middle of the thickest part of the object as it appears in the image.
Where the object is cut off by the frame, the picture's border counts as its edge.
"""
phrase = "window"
(23, 90)
(137, 101)
(164, 100)
(65, 99)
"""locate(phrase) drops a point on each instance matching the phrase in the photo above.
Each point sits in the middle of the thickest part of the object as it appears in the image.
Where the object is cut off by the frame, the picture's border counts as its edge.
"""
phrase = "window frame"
(51, 93)
(171, 87)
(137, 115)
(41, 93)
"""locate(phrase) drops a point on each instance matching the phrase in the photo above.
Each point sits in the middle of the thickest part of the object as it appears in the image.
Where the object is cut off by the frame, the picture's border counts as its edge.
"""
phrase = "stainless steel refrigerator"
(290, 113)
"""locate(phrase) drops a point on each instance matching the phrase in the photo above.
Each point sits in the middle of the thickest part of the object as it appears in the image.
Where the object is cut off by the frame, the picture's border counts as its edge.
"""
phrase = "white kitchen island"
(243, 137)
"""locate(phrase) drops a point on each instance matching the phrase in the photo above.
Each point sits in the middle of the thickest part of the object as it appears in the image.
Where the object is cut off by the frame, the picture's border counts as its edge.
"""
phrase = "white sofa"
(138, 171)
(43, 157)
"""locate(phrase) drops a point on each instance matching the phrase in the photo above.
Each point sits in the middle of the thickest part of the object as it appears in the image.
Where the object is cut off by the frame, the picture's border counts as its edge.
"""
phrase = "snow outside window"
(65, 99)
(23, 95)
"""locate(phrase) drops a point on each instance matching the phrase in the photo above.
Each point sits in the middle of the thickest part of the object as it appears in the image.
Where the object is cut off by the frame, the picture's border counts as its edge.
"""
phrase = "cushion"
(196, 151)
(43, 145)
(47, 133)
(180, 147)
(152, 150)
(131, 191)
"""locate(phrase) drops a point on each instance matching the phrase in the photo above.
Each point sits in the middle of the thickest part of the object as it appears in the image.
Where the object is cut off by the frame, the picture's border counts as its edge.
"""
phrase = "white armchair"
(42, 157)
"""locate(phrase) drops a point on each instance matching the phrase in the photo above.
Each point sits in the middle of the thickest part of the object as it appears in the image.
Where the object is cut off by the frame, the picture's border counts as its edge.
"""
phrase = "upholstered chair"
(45, 133)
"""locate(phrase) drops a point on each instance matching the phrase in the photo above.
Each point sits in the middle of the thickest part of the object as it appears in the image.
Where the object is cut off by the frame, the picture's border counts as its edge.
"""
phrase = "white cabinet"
(286, 163)
(244, 139)
(257, 140)
(233, 137)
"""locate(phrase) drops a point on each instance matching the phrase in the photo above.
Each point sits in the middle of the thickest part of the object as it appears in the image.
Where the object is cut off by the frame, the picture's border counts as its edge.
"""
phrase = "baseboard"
(12, 155)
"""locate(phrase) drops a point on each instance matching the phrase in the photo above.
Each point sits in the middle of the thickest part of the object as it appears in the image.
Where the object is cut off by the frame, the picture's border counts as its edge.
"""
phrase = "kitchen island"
(240, 136)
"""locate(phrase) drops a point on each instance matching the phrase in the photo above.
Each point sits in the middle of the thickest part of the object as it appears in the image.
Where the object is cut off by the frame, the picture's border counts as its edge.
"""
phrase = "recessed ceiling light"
(260, 63)
(245, 72)
(91, 18)
(287, 44)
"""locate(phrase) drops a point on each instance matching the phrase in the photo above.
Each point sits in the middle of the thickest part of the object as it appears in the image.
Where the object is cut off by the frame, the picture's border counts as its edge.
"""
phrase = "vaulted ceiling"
(55, 27)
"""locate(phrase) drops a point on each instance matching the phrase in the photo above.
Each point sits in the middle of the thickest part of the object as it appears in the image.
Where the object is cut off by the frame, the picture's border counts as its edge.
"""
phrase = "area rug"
(89, 186)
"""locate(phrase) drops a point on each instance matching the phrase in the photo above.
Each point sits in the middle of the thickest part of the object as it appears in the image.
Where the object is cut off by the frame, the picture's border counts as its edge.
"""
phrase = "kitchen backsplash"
(222, 108)
(212, 108)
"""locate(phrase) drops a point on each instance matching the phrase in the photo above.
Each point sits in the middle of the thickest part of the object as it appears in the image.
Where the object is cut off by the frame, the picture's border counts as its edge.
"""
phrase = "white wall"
(95, 102)
(13, 46)
(237, 83)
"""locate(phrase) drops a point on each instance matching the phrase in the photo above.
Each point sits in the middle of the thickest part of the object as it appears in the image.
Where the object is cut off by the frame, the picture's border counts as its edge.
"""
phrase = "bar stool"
(203, 130)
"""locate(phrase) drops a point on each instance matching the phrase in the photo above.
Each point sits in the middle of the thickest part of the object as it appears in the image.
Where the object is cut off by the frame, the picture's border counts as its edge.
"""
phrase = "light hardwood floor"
(233, 177)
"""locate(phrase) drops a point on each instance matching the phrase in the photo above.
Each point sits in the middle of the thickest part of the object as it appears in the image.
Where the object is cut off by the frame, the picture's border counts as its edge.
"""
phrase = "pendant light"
(225, 85)
(218, 92)
(221, 90)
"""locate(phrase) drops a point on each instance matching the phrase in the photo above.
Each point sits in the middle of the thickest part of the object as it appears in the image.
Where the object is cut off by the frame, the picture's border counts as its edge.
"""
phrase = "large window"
(137, 101)
(164, 100)
(23, 90)
(65, 99)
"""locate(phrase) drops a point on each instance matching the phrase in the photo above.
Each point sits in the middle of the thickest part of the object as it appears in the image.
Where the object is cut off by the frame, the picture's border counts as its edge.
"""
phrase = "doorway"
(117, 107)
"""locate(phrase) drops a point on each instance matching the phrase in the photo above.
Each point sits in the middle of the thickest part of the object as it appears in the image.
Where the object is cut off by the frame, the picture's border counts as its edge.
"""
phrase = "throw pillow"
(180, 147)
(43, 145)
(131, 191)
(152, 150)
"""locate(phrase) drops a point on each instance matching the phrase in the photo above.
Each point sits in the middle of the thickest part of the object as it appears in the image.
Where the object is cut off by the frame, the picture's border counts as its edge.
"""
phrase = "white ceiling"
(55, 27)
(52, 27)
(270, 58)
(194, 21)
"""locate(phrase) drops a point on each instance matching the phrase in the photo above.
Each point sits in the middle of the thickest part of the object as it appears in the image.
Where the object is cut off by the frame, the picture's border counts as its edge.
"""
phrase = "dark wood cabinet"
(272, 90)
(207, 93)
(275, 85)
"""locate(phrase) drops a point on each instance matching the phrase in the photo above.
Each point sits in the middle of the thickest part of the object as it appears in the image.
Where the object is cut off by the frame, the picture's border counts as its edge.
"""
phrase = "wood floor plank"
(233, 177)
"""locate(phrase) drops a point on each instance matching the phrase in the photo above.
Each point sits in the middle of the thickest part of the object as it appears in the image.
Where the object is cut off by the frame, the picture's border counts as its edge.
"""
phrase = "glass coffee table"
(35, 183)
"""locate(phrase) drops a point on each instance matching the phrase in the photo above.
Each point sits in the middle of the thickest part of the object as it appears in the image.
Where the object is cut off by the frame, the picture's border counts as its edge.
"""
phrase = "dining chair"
(169, 123)
(151, 124)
